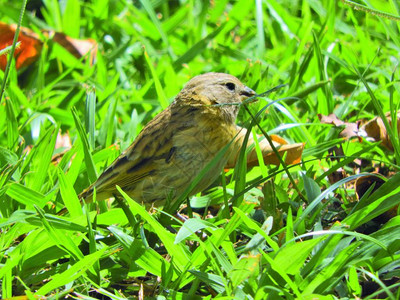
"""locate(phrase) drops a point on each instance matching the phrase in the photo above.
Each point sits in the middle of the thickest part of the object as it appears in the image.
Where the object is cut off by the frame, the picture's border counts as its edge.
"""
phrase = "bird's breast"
(195, 140)
(197, 146)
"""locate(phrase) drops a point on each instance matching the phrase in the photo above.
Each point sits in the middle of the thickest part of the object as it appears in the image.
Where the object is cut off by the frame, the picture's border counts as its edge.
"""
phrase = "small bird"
(174, 147)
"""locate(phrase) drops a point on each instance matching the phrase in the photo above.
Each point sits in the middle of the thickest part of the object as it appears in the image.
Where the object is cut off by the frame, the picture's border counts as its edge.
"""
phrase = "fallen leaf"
(330, 119)
(350, 130)
(293, 151)
(363, 183)
(76, 47)
(31, 45)
(377, 130)
(29, 50)
(63, 142)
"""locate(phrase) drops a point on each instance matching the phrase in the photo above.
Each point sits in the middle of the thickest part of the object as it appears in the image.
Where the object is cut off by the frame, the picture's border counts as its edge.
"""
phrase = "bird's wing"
(151, 148)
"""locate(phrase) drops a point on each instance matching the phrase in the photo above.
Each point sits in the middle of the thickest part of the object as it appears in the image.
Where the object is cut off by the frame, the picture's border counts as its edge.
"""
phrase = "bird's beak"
(248, 92)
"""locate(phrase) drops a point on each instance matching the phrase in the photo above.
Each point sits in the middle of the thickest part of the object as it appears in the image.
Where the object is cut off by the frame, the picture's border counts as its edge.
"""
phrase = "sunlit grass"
(288, 236)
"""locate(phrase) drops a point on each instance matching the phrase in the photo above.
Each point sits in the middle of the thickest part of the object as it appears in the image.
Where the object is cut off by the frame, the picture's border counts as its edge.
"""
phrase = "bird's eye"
(231, 86)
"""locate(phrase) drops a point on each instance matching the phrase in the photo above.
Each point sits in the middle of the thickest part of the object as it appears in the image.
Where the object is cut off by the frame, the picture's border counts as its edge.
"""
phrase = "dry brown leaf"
(330, 119)
(29, 49)
(293, 151)
(76, 47)
(31, 45)
(377, 130)
(363, 183)
(350, 130)
(62, 141)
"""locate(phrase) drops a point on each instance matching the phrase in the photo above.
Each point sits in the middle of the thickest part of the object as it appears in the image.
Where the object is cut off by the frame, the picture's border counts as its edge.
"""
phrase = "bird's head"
(222, 91)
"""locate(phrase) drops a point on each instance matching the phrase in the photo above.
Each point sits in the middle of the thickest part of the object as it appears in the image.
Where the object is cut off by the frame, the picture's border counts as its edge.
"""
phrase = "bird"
(175, 146)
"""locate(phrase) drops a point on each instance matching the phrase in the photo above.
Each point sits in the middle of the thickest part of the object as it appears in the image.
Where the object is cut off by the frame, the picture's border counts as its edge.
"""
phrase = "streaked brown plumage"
(178, 143)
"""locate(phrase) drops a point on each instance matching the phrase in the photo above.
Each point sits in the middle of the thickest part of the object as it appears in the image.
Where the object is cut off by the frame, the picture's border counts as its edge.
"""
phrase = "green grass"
(305, 238)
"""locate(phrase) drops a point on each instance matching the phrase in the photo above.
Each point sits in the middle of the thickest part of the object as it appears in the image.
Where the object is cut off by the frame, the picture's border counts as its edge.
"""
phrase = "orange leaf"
(29, 50)
(31, 45)
(293, 151)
